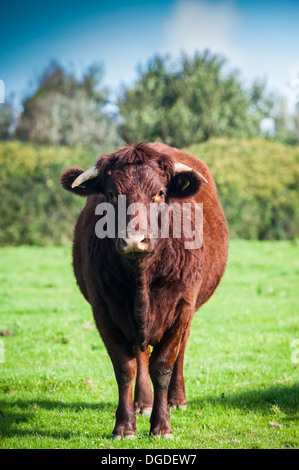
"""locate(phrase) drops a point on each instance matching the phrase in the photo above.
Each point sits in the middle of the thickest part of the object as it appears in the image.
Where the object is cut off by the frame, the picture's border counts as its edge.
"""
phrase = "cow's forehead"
(143, 178)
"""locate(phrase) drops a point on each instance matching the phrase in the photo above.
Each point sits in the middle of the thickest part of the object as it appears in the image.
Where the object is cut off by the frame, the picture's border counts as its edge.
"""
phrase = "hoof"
(178, 407)
(143, 411)
(146, 412)
(168, 435)
(117, 437)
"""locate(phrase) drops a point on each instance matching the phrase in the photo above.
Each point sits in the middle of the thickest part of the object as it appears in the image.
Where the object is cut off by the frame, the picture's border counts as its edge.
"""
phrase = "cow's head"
(145, 177)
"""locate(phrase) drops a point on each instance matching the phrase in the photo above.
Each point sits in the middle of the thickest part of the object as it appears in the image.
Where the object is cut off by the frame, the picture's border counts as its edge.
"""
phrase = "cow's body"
(150, 301)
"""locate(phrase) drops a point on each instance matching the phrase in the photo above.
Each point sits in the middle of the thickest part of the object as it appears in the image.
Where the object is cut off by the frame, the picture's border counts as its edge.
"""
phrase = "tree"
(286, 121)
(6, 120)
(65, 110)
(296, 123)
(190, 101)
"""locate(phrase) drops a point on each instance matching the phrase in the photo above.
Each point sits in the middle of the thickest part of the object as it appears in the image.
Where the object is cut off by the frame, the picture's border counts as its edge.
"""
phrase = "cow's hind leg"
(176, 391)
(143, 397)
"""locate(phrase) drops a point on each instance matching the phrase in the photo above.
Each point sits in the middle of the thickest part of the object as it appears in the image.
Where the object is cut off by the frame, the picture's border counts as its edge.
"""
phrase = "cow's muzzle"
(134, 244)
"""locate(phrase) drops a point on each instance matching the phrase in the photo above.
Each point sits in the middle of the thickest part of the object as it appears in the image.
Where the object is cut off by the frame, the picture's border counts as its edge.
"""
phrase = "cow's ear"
(184, 185)
(93, 186)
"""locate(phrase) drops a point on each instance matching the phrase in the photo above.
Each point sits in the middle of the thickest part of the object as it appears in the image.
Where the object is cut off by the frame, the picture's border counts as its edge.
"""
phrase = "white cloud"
(221, 27)
(198, 25)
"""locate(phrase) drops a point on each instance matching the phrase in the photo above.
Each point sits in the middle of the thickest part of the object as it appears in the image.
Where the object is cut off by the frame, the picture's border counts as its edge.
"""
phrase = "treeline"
(179, 102)
(257, 180)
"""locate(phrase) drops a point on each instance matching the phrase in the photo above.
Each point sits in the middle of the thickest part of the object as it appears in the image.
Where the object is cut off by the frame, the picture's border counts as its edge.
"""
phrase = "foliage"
(35, 209)
(57, 385)
(286, 121)
(258, 185)
(6, 120)
(67, 111)
(189, 102)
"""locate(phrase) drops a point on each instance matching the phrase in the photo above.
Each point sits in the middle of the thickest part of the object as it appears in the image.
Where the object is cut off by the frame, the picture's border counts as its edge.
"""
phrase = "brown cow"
(144, 290)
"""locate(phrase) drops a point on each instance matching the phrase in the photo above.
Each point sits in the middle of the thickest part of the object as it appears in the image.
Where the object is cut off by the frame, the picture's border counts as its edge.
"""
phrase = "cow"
(145, 289)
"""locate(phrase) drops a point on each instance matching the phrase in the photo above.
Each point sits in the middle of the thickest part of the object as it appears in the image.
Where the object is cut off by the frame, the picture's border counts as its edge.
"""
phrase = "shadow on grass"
(17, 412)
(57, 405)
(281, 398)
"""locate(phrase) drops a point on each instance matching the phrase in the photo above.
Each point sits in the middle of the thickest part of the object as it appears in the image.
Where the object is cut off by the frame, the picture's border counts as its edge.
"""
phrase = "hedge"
(34, 209)
(258, 185)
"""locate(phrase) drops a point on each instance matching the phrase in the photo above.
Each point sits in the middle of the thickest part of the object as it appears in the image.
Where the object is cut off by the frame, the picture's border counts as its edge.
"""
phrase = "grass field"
(57, 387)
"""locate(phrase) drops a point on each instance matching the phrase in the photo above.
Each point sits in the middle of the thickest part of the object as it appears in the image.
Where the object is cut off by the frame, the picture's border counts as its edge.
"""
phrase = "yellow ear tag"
(81, 186)
(185, 185)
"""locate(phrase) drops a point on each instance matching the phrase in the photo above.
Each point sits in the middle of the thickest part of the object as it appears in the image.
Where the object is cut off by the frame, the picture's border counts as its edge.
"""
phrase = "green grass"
(57, 387)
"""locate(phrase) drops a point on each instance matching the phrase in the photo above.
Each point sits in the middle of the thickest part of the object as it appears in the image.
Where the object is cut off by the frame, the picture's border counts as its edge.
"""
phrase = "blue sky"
(259, 38)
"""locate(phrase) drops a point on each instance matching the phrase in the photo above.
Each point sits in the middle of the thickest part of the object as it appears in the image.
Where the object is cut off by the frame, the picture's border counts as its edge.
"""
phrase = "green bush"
(34, 209)
(258, 185)
(257, 180)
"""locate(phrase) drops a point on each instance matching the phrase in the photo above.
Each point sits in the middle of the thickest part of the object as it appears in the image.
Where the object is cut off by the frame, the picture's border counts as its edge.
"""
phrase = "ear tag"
(81, 186)
(185, 185)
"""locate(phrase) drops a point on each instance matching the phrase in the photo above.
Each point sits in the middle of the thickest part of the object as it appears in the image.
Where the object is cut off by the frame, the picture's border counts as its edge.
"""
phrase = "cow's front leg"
(125, 368)
(161, 366)
(125, 373)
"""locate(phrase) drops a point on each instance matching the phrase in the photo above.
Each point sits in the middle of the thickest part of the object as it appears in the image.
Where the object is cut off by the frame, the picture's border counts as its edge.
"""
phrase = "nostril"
(134, 243)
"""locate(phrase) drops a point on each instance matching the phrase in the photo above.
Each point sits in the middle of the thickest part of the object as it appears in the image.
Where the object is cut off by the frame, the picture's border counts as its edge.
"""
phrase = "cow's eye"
(159, 196)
